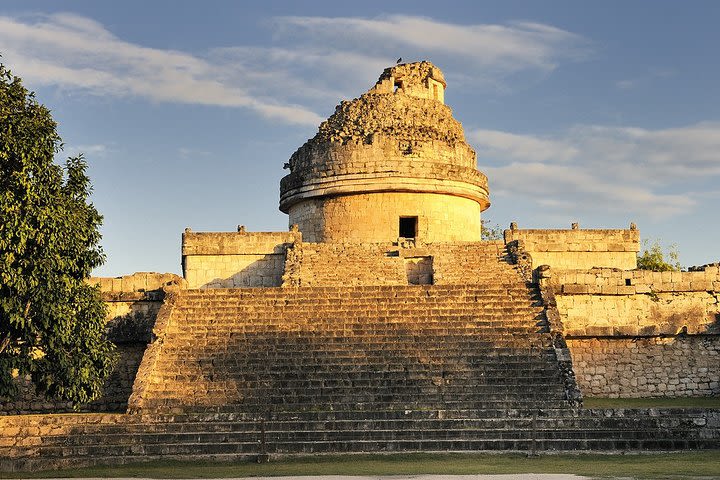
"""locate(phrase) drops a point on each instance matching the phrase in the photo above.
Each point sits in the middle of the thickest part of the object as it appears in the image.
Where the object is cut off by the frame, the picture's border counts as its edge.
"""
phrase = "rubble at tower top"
(420, 79)
(406, 104)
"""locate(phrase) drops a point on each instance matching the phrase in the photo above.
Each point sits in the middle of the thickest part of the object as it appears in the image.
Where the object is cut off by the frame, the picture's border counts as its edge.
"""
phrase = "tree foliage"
(490, 232)
(654, 258)
(51, 321)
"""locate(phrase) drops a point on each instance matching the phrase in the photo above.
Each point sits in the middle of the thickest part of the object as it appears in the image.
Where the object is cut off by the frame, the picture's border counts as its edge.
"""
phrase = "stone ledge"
(384, 182)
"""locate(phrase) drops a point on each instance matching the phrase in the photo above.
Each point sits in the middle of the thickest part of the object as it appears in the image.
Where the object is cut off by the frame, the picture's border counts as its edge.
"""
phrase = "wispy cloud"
(630, 83)
(96, 150)
(280, 81)
(612, 168)
(510, 47)
(76, 52)
(492, 143)
(190, 153)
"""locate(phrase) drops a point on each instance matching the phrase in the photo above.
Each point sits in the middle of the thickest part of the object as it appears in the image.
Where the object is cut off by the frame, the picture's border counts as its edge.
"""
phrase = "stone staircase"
(404, 347)
(453, 367)
(33, 442)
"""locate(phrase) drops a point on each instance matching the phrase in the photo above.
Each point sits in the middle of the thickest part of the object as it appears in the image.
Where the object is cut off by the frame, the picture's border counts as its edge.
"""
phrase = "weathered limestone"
(369, 347)
(233, 260)
(640, 333)
(579, 249)
(652, 366)
(390, 153)
(373, 217)
(347, 264)
(422, 80)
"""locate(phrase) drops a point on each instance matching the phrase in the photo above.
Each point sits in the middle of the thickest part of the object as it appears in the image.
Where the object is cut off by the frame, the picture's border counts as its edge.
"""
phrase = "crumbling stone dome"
(394, 153)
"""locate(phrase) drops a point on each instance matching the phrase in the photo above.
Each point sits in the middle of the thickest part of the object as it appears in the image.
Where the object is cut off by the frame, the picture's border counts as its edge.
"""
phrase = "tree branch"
(5, 342)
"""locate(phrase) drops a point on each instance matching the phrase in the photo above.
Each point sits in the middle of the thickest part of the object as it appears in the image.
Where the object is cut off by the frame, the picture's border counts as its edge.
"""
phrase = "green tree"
(51, 320)
(654, 258)
(490, 232)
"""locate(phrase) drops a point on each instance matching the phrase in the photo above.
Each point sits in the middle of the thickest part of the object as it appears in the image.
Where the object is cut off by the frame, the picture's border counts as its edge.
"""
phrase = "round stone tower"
(392, 163)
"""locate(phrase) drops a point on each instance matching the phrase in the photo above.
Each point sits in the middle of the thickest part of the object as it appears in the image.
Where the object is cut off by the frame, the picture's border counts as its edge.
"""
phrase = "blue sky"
(598, 112)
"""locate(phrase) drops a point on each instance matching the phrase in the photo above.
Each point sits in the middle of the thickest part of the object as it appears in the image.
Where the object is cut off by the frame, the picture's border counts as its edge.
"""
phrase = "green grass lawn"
(697, 402)
(669, 465)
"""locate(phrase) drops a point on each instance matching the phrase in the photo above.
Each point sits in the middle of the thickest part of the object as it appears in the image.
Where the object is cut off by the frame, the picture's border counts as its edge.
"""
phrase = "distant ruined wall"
(235, 259)
(579, 249)
(641, 333)
(133, 302)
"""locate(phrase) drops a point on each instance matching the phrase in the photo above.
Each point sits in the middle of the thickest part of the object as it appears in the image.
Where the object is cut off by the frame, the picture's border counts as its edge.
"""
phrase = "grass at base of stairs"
(655, 465)
(652, 402)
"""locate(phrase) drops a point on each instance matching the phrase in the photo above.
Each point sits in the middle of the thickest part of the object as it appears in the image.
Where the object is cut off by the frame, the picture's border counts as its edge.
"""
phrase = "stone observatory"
(392, 163)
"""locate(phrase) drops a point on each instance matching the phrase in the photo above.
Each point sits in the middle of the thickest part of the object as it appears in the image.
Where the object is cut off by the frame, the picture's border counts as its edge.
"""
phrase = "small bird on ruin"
(398, 61)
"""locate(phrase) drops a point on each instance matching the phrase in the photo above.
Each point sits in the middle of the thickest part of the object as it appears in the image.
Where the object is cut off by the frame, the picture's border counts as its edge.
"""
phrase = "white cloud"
(512, 47)
(610, 168)
(90, 151)
(315, 60)
(75, 52)
(649, 77)
(493, 143)
(191, 153)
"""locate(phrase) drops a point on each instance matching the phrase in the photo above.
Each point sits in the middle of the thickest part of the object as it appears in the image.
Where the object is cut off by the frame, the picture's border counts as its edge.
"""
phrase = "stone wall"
(344, 264)
(602, 302)
(640, 333)
(235, 259)
(407, 263)
(374, 217)
(465, 262)
(682, 366)
(579, 249)
(133, 302)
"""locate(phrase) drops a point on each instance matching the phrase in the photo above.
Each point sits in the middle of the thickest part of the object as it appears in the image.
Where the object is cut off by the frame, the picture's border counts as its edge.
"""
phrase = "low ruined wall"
(133, 302)
(641, 333)
(235, 259)
(411, 263)
(579, 249)
(457, 263)
(341, 264)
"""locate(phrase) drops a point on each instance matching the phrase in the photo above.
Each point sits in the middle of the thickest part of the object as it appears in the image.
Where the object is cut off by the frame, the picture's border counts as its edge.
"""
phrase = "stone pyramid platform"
(237, 373)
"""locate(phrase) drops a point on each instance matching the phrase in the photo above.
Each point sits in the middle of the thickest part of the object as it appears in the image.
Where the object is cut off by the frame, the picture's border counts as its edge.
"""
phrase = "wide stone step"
(356, 442)
(279, 436)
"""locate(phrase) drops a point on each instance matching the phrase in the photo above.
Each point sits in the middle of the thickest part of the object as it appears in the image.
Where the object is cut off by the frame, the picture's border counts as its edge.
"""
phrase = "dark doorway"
(408, 227)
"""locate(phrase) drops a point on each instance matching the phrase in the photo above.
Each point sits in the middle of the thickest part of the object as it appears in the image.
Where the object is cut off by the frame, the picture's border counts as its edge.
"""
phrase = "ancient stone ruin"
(381, 321)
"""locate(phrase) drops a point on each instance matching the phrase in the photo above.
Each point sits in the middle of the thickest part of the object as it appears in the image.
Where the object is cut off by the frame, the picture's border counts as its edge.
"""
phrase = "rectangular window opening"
(408, 227)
